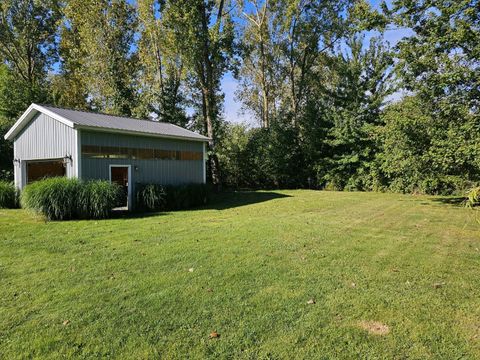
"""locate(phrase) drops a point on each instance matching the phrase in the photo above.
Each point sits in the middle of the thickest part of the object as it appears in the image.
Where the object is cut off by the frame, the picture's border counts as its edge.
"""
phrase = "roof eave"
(133, 132)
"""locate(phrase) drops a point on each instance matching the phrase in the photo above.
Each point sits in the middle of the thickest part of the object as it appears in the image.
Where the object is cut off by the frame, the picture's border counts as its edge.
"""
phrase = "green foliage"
(431, 141)
(440, 61)
(28, 45)
(61, 198)
(263, 157)
(422, 154)
(356, 93)
(27, 50)
(181, 197)
(156, 197)
(6, 148)
(150, 197)
(232, 155)
(280, 45)
(162, 70)
(96, 54)
(473, 197)
(8, 195)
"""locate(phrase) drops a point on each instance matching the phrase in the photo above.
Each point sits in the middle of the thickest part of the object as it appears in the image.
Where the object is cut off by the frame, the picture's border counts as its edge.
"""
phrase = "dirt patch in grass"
(374, 327)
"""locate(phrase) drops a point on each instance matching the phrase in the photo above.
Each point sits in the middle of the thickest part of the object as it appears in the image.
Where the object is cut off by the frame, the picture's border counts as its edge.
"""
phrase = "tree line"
(334, 104)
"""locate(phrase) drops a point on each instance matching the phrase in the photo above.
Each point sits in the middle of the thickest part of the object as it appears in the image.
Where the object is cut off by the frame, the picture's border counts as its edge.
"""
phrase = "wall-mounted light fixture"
(135, 168)
(16, 162)
(67, 159)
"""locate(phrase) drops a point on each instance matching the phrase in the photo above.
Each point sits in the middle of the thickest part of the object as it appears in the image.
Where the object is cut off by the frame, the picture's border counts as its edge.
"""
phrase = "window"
(145, 154)
(115, 152)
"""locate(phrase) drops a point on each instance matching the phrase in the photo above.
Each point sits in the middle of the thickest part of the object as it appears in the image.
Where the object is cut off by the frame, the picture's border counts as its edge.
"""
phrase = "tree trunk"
(212, 158)
(208, 90)
(266, 105)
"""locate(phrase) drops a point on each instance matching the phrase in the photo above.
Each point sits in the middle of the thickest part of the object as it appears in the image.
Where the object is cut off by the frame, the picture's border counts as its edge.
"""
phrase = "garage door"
(42, 169)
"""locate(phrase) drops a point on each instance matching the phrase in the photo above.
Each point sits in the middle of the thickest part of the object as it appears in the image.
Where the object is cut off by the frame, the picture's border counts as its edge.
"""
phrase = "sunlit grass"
(387, 276)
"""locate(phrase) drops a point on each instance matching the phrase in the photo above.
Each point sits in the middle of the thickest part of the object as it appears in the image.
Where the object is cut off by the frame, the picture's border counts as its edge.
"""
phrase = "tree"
(406, 139)
(100, 52)
(27, 45)
(233, 156)
(27, 51)
(162, 74)
(204, 31)
(358, 88)
(281, 44)
(440, 61)
(70, 86)
(10, 102)
(439, 64)
(259, 88)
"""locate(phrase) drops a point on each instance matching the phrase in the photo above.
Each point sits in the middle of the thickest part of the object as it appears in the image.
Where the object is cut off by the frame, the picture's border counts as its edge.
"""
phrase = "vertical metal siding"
(46, 138)
(148, 171)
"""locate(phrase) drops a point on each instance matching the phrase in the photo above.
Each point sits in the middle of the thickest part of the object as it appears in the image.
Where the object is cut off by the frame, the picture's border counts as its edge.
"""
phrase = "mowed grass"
(246, 267)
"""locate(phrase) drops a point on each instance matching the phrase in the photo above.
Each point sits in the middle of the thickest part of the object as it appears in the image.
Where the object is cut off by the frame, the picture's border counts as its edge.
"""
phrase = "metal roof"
(96, 121)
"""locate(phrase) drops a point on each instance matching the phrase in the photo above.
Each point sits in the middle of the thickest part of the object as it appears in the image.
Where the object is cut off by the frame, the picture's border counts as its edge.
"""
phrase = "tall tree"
(162, 73)
(281, 42)
(28, 47)
(70, 86)
(309, 28)
(440, 64)
(357, 90)
(258, 74)
(441, 61)
(204, 31)
(103, 37)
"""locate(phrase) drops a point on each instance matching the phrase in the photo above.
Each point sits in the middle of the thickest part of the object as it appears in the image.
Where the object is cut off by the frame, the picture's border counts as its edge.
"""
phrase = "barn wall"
(165, 172)
(44, 138)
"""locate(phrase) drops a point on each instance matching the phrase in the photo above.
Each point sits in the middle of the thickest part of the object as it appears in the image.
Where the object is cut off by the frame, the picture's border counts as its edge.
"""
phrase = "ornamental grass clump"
(473, 197)
(150, 197)
(55, 198)
(61, 198)
(8, 195)
(96, 199)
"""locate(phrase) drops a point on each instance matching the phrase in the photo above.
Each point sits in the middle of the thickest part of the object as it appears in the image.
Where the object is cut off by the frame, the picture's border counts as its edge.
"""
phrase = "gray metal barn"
(51, 141)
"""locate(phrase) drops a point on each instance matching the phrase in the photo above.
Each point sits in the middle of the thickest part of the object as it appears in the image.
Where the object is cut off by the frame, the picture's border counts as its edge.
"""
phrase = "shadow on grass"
(125, 214)
(218, 201)
(233, 199)
(453, 201)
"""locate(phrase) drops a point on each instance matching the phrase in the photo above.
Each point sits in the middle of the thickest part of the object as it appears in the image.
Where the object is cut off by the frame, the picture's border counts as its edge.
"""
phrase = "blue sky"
(232, 107)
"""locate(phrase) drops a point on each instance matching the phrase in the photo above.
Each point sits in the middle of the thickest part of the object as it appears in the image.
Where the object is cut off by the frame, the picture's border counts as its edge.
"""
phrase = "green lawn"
(245, 267)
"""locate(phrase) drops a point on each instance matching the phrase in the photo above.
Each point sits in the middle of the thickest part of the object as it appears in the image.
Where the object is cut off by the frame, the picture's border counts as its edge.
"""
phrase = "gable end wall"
(42, 139)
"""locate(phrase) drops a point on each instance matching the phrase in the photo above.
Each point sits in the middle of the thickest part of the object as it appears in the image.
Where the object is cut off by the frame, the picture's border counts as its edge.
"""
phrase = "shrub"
(186, 196)
(150, 197)
(8, 195)
(445, 185)
(473, 197)
(171, 197)
(60, 198)
(97, 198)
